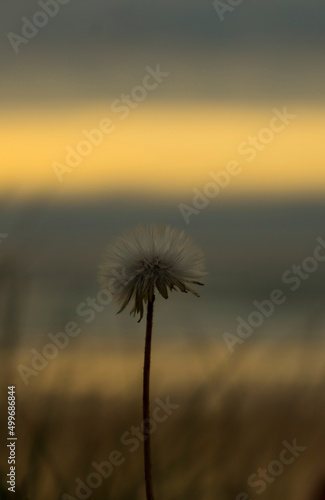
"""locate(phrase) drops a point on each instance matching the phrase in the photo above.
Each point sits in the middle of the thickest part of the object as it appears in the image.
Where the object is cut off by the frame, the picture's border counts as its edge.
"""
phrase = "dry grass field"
(235, 415)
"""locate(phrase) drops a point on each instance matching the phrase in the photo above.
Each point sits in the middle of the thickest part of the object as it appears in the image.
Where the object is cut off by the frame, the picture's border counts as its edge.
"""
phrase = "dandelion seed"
(140, 261)
(148, 258)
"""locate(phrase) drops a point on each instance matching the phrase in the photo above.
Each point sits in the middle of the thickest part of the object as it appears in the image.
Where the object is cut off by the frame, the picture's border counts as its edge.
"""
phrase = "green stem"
(146, 403)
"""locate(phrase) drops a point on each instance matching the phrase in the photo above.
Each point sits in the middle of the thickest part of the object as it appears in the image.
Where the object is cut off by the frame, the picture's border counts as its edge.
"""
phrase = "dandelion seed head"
(148, 258)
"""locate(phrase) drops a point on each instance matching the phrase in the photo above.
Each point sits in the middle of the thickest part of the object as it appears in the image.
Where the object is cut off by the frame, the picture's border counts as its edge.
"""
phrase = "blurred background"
(115, 113)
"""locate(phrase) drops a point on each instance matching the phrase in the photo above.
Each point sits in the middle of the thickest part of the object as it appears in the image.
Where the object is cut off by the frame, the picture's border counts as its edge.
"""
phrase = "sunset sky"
(161, 148)
(222, 88)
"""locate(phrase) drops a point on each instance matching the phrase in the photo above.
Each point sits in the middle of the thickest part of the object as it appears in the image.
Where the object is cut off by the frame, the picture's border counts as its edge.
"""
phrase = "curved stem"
(146, 403)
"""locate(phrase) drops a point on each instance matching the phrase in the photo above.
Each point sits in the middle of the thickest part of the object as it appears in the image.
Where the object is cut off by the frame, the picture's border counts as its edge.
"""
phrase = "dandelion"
(139, 262)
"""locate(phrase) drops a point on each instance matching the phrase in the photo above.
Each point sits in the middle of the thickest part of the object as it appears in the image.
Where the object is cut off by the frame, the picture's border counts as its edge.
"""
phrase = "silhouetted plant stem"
(146, 402)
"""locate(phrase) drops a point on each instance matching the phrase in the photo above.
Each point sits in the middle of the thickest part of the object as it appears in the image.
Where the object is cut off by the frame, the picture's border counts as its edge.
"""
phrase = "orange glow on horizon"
(166, 149)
